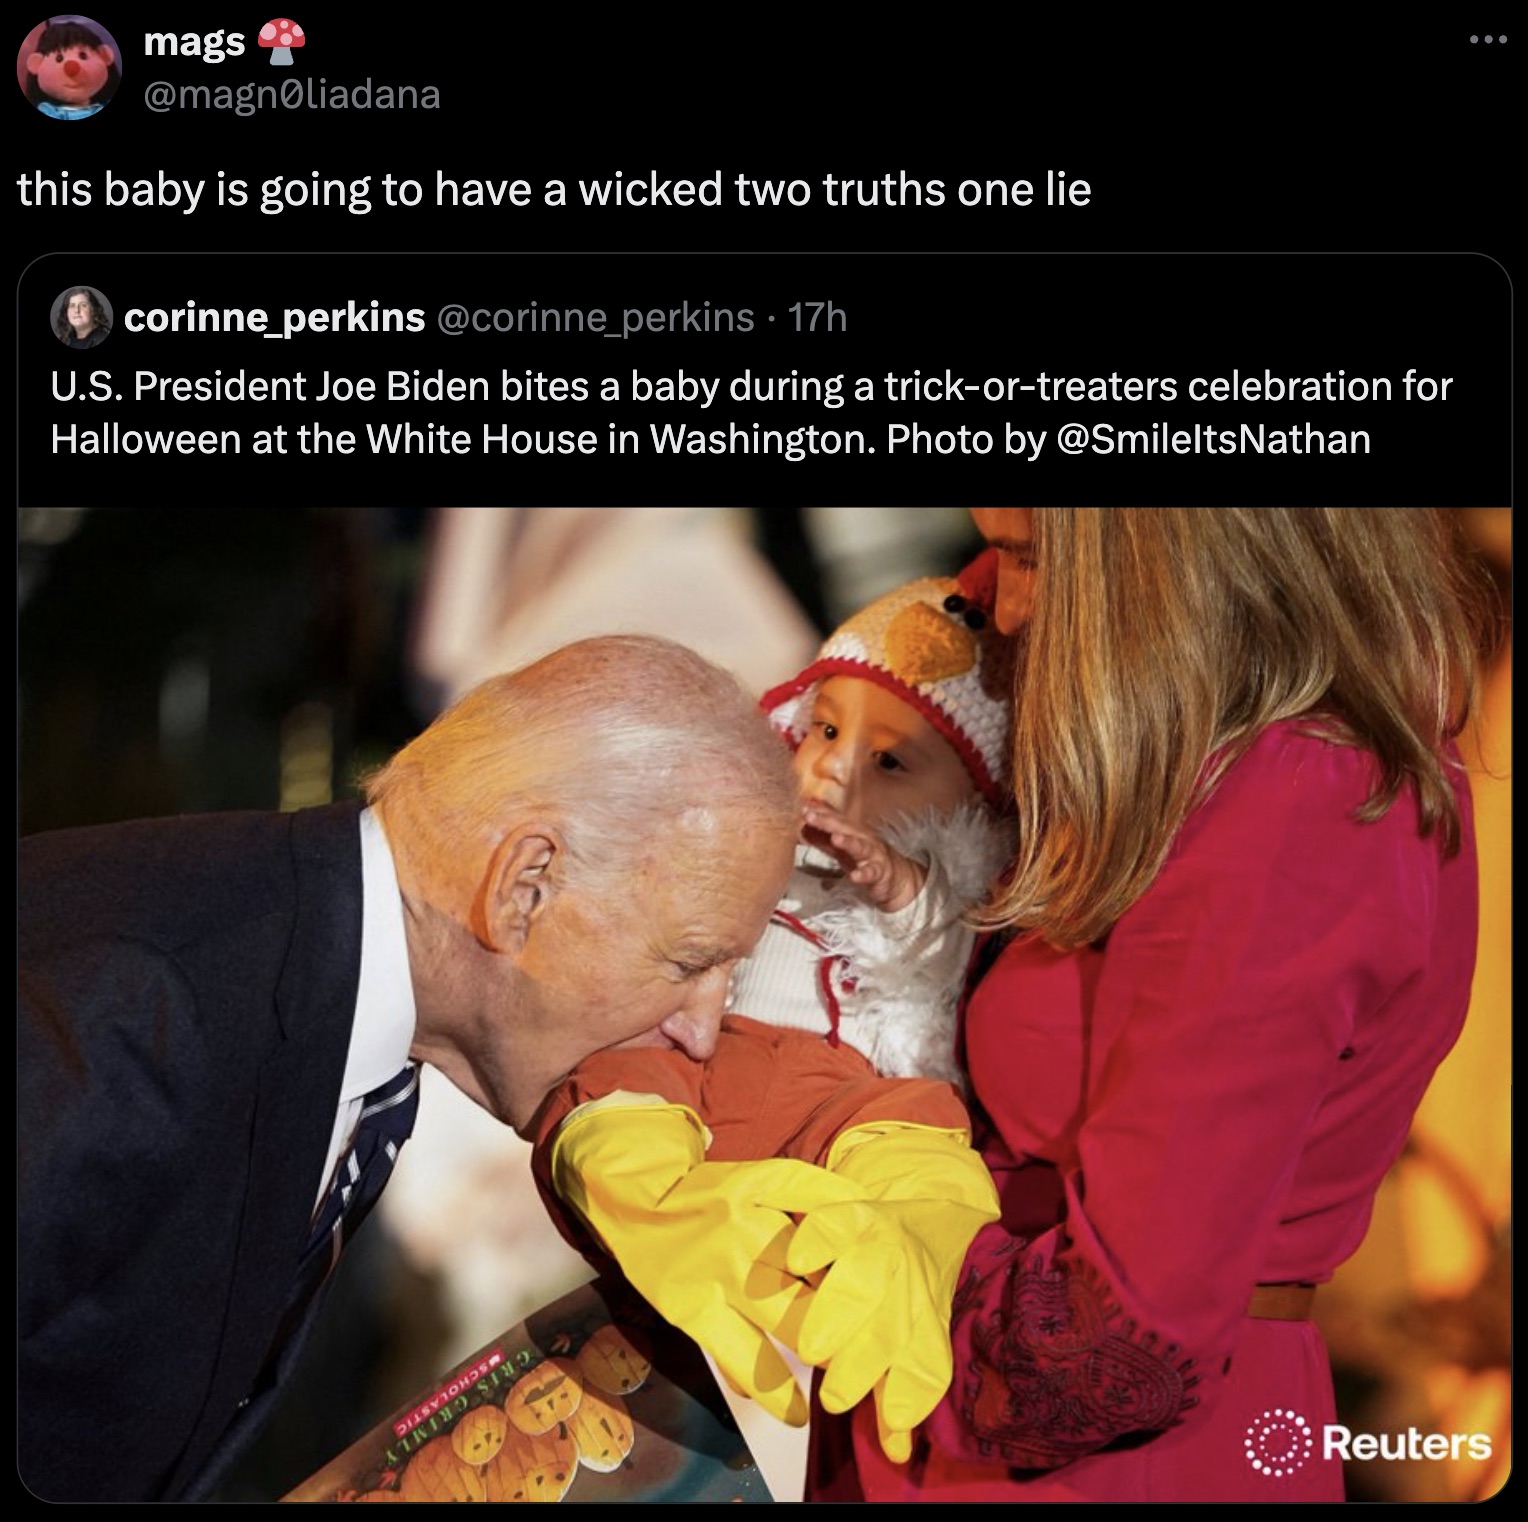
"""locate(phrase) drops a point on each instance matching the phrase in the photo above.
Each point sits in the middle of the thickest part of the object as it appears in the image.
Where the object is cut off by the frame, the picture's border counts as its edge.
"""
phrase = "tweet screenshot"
(361, 360)
(296, 275)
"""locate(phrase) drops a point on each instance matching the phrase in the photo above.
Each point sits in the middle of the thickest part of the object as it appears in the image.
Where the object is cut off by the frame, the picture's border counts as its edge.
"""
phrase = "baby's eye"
(888, 762)
(829, 731)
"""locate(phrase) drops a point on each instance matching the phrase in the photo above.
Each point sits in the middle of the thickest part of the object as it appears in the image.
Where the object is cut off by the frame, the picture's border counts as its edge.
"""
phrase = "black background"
(1305, 137)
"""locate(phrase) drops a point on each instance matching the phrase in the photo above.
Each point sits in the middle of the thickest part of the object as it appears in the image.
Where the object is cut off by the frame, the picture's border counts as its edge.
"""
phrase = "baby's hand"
(891, 881)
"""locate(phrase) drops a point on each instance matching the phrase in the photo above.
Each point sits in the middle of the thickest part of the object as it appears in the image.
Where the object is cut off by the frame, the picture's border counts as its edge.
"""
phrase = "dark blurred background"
(209, 657)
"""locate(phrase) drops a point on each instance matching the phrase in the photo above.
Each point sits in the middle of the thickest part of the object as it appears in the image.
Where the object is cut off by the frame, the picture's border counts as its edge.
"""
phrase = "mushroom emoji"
(281, 36)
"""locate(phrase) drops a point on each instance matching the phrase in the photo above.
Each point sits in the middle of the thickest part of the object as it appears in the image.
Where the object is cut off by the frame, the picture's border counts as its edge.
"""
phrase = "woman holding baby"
(1236, 941)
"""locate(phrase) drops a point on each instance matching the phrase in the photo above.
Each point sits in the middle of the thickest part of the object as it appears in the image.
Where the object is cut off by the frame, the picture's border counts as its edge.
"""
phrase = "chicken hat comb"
(934, 643)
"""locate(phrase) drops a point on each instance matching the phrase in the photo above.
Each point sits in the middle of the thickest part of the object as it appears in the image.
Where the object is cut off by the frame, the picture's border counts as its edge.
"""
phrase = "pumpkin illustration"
(479, 1434)
(436, 1474)
(545, 1395)
(532, 1466)
(603, 1431)
(610, 1363)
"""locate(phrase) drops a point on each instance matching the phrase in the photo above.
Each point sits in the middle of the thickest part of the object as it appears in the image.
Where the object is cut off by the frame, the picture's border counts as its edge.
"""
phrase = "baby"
(900, 728)
(842, 1050)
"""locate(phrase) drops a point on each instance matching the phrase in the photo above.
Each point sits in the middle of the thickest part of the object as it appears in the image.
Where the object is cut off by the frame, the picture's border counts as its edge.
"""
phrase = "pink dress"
(1202, 1103)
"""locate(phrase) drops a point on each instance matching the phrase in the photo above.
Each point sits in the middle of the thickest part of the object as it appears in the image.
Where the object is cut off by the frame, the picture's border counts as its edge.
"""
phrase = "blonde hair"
(613, 740)
(1164, 640)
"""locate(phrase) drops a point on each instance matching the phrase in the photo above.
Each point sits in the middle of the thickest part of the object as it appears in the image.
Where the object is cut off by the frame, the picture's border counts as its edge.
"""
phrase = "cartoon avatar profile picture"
(69, 67)
(81, 317)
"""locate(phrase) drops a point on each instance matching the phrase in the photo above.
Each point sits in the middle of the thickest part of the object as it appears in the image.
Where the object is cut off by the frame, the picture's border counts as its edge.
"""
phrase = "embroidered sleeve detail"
(1056, 1371)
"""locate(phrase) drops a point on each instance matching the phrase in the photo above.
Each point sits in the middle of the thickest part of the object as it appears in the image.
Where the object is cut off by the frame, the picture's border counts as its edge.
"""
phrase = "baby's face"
(872, 757)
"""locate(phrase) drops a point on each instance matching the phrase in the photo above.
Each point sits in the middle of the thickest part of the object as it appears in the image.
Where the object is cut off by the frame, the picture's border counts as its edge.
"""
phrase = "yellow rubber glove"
(880, 1317)
(703, 1243)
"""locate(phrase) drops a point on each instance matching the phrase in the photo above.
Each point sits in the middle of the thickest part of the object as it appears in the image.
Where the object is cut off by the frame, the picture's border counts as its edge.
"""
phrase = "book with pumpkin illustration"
(591, 1398)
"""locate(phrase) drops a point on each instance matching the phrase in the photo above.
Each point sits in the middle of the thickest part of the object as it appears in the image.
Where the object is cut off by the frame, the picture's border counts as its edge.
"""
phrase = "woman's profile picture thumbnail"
(81, 317)
(69, 67)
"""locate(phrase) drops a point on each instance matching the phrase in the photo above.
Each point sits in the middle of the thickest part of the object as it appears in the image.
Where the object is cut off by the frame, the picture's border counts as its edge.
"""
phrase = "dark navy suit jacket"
(186, 992)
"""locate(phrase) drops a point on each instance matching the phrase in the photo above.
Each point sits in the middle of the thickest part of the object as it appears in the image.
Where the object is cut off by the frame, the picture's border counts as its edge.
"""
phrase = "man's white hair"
(613, 740)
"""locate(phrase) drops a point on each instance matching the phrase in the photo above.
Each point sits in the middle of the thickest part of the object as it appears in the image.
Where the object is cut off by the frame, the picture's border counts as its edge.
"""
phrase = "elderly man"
(217, 1015)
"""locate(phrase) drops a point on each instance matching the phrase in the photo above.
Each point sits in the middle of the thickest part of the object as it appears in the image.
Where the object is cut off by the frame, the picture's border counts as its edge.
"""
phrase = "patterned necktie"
(385, 1122)
(386, 1119)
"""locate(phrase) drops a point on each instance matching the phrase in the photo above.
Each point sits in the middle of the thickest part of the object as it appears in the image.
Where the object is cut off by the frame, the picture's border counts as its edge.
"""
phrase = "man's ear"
(517, 886)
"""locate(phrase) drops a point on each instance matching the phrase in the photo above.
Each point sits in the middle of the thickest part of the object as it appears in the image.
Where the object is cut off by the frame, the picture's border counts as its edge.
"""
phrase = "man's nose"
(694, 1027)
(72, 67)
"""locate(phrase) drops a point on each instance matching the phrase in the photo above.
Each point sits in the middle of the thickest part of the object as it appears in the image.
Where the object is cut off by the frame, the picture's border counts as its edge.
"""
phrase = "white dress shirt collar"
(383, 1030)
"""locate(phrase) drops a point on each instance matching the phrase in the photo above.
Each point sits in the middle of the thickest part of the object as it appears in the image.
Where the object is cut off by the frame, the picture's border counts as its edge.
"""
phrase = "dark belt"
(1282, 1302)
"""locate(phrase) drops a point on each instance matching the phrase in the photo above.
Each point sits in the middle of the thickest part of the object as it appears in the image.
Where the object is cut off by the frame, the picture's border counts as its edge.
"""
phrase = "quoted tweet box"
(389, 378)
